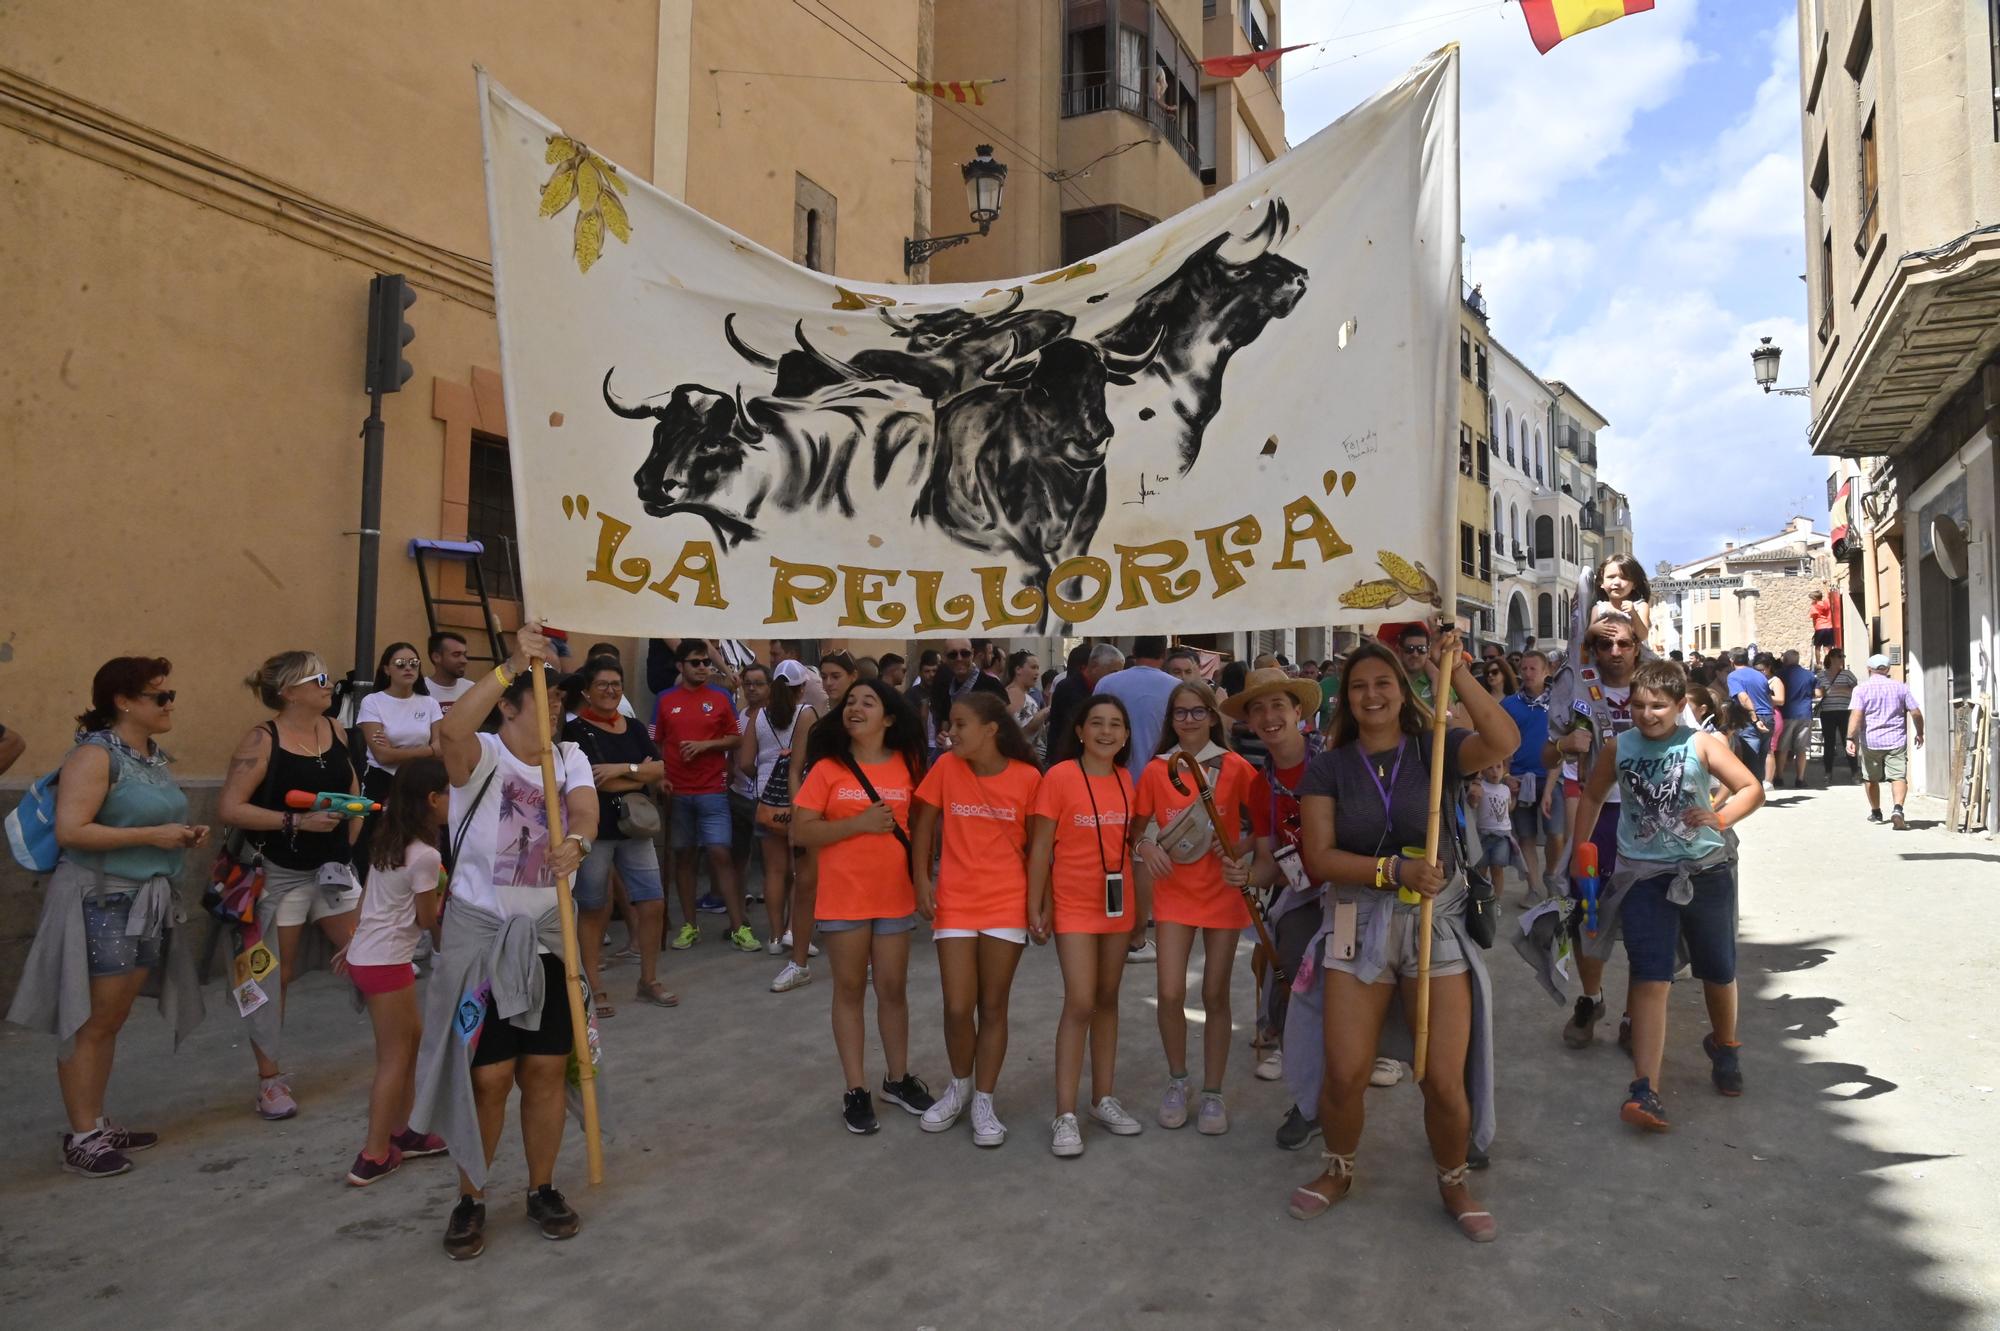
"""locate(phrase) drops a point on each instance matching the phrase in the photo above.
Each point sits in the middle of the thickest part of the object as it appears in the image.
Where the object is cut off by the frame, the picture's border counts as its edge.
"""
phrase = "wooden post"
(1432, 826)
(579, 1023)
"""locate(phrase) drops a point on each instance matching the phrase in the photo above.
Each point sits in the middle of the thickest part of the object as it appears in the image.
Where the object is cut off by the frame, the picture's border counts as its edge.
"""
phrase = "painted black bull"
(722, 459)
(1216, 303)
(1019, 466)
(944, 351)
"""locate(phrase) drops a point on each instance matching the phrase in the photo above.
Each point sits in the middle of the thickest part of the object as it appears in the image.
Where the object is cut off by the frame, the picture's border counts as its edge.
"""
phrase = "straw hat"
(1264, 683)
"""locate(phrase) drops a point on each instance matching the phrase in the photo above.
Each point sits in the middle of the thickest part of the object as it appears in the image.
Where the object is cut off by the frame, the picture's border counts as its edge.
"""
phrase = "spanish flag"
(1549, 21)
(962, 90)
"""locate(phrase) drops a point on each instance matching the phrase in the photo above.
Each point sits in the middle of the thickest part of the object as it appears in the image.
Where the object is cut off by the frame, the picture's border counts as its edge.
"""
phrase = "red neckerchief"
(602, 720)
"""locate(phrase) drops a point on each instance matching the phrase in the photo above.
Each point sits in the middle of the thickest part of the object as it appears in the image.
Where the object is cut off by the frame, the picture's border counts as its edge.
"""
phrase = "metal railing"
(1099, 90)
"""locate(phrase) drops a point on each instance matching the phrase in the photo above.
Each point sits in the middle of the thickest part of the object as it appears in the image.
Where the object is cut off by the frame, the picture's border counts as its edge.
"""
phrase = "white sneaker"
(791, 977)
(1114, 1118)
(1173, 1105)
(1387, 1072)
(942, 1114)
(987, 1129)
(1272, 1067)
(787, 939)
(1066, 1137)
(1143, 955)
(1212, 1118)
(777, 949)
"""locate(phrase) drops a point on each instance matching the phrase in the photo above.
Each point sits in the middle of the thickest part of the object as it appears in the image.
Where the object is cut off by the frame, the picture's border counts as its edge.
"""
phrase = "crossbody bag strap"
(869, 786)
(465, 824)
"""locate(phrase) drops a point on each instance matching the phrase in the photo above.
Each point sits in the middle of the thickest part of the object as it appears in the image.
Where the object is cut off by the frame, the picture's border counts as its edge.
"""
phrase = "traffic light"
(389, 295)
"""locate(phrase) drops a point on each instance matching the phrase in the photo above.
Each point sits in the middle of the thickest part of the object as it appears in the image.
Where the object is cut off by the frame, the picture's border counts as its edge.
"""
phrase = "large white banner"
(1244, 417)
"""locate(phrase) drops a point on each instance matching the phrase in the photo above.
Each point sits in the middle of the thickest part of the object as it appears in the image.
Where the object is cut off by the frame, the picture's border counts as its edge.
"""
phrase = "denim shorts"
(1499, 849)
(637, 862)
(888, 924)
(112, 950)
(700, 820)
(1652, 925)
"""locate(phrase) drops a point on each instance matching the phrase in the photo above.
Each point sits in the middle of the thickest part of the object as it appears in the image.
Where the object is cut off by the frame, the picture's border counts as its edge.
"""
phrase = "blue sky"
(1632, 207)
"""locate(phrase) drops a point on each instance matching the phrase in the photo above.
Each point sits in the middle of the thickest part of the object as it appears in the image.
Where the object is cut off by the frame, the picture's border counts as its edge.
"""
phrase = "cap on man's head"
(1878, 662)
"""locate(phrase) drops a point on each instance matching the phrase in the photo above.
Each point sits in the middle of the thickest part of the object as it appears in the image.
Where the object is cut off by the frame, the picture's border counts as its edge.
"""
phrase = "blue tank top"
(141, 794)
(1661, 781)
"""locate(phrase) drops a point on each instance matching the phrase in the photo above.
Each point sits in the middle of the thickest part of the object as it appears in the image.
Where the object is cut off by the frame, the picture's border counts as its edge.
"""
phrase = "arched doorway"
(1517, 622)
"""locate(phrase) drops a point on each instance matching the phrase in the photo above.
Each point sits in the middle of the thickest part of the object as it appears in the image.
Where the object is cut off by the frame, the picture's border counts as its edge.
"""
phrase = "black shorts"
(1822, 637)
(503, 1041)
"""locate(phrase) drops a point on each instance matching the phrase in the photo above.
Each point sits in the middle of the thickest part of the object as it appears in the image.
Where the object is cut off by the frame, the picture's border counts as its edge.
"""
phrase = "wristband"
(506, 679)
(290, 824)
(1381, 869)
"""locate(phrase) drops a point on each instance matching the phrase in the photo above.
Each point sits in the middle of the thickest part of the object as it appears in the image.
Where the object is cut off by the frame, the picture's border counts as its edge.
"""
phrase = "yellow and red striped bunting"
(1550, 21)
(958, 90)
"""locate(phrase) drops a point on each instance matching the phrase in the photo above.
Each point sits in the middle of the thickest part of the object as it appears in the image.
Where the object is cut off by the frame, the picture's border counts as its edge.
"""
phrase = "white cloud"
(1538, 276)
(1763, 201)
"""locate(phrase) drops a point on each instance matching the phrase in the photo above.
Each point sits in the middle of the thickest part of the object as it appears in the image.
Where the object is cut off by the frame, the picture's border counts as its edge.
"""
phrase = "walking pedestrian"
(1079, 864)
(1836, 688)
(1364, 806)
(1676, 878)
(308, 879)
(108, 918)
(395, 719)
(625, 767)
(1750, 685)
(1030, 713)
(1883, 718)
(1491, 801)
(694, 725)
(399, 903)
(1539, 816)
(975, 802)
(499, 932)
(854, 811)
(1197, 893)
(775, 754)
(1800, 686)
(754, 681)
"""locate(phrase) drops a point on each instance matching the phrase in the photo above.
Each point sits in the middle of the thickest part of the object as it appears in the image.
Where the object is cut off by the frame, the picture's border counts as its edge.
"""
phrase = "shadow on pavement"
(1984, 856)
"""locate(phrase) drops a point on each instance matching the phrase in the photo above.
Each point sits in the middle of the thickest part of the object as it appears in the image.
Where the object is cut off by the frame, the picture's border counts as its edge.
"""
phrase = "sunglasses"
(405, 663)
(701, 661)
(162, 698)
(1417, 649)
(321, 680)
(1190, 714)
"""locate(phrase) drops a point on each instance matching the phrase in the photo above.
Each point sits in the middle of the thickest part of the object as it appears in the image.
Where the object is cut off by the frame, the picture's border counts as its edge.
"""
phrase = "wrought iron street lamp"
(1764, 360)
(985, 182)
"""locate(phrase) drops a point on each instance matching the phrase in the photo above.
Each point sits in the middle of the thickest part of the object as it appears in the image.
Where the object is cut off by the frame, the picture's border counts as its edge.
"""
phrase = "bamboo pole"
(565, 908)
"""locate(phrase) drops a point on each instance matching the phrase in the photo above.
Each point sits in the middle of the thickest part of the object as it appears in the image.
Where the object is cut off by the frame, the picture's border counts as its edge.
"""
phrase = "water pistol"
(1587, 885)
(331, 801)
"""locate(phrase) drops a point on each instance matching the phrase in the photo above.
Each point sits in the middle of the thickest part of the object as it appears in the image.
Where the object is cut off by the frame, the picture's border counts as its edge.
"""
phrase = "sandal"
(1479, 1226)
(604, 1008)
(1307, 1203)
(658, 995)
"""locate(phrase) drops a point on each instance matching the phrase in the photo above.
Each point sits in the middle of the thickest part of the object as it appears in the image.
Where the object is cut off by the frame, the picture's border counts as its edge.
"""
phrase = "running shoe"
(743, 940)
(416, 1145)
(1271, 1066)
(274, 1098)
(910, 1093)
(791, 977)
(1896, 819)
(1066, 1138)
(1387, 1072)
(776, 948)
(1143, 955)
(1211, 1118)
(688, 936)
(92, 1154)
(1643, 1108)
(1582, 1027)
(1113, 1117)
(942, 1114)
(1173, 1105)
(1725, 1067)
(812, 948)
(124, 1139)
(1875, 816)
(987, 1129)
(465, 1232)
(710, 904)
(1296, 1130)
(365, 1171)
(858, 1109)
(551, 1211)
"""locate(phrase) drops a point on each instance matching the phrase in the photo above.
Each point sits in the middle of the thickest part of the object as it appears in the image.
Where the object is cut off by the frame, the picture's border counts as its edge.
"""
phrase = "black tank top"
(331, 770)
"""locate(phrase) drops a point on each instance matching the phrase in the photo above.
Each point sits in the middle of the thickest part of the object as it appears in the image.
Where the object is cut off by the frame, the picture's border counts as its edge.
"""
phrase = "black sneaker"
(126, 1140)
(1725, 1068)
(93, 1154)
(1582, 1026)
(1643, 1108)
(1296, 1130)
(1874, 815)
(858, 1108)
(552, 1211)
(1896, 819)
(465, 1232)
(1625, 1033)
(910, 1093)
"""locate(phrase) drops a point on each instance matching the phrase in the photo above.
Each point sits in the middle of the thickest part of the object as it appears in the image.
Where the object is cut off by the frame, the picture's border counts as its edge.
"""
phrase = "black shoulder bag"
(847, 759)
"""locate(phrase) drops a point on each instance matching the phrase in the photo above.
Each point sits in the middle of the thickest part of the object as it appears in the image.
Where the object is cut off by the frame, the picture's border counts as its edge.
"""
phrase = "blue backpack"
(31, 827)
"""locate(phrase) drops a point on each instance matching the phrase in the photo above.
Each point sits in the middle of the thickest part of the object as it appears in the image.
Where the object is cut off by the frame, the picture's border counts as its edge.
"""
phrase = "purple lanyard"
(1394, 772)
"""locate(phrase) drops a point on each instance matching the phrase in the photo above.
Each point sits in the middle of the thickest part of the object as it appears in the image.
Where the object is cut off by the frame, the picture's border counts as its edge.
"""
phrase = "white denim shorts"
(301, 900)
(1004, 935)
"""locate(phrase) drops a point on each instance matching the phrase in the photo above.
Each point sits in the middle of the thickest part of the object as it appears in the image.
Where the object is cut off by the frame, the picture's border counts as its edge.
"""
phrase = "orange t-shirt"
(1194, 894)
(862, 877)
(982, 880)
(1088, 841)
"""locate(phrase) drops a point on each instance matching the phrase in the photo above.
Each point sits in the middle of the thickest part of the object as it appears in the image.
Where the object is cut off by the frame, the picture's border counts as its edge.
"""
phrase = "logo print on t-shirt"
(1653, 796)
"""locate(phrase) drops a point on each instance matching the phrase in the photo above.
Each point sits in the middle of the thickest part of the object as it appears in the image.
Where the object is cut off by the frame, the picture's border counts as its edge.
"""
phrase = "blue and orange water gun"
(331, 801)
(1586, 884)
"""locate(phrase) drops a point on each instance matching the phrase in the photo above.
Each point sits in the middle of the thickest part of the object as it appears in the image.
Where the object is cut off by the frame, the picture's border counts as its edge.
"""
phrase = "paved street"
(1851, 1187)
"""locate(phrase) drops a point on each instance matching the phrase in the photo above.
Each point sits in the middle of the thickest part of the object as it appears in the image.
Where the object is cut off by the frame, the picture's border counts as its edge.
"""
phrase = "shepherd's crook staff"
(586, 1069)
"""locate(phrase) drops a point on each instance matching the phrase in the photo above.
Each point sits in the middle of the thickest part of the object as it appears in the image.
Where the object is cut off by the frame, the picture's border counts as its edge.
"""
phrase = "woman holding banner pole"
(1364, 806)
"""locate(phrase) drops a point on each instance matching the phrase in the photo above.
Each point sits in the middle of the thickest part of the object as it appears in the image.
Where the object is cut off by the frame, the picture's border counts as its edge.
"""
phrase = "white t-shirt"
(447, 694)
(386, 931)
(1496, 808)
(406, 722)
(741, 782)
(503, 857)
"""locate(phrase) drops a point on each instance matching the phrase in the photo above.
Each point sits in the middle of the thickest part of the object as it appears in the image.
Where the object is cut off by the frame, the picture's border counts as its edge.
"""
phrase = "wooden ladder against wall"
(467, 553)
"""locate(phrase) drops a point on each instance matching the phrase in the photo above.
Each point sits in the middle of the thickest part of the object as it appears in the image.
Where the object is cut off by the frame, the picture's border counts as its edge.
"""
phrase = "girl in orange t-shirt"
(979, 794)
(1080, 841)
(866, 905)
(1202, 895)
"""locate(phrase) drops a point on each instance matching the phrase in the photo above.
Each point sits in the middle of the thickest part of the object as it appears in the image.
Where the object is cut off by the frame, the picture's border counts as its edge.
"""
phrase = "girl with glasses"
(1196, 890)
(395, 721)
